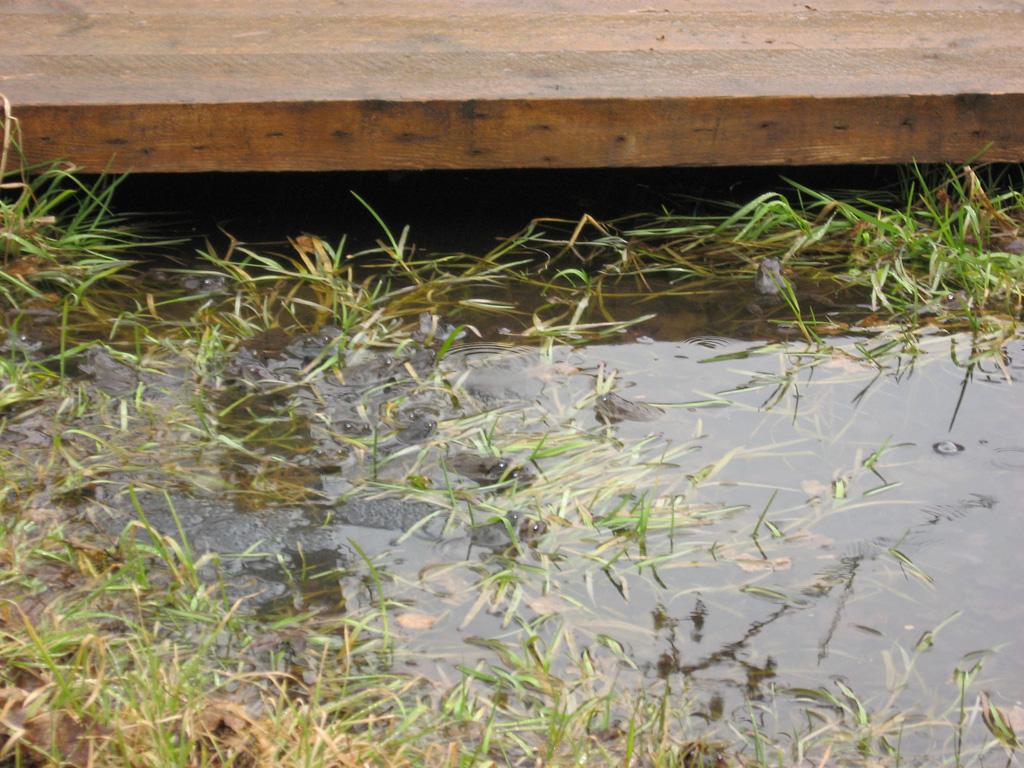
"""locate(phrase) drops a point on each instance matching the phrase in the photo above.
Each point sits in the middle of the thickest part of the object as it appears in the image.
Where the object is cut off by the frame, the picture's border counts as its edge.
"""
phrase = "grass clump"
(939, 233)
(123, 657)
(56, 231)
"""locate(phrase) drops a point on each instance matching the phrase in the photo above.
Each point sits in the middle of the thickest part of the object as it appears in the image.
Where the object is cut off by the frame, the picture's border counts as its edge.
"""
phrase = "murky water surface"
(705, 502)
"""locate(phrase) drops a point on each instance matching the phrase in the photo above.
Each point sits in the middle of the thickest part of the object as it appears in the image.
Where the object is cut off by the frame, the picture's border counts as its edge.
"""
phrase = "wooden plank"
(542, 133)
(378, 84)
(476, 75)
(176, 34)
(426, 8)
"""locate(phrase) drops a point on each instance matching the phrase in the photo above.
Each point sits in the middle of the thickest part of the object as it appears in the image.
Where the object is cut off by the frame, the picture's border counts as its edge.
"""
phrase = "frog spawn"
(348, 412)
(320, 419)
(274, 358)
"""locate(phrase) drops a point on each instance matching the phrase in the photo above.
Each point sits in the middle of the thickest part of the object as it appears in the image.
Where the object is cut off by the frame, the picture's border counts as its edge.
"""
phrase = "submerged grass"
(131, 392)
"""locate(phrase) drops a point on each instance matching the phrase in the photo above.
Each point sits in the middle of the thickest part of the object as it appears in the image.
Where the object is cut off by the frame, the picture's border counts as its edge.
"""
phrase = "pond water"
(705, 505)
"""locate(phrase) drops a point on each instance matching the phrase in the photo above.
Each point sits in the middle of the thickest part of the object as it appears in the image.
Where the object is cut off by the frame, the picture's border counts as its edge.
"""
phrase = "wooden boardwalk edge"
(526, 133)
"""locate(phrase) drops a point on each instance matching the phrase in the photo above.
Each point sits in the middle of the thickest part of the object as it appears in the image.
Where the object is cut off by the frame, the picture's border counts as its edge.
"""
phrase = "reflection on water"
(734, 519)
(882, 537)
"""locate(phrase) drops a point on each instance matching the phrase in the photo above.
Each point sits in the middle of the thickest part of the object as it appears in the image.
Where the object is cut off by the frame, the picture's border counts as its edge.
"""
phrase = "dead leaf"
(757, 564)
(47, 733)
(307, 244)
(845, 363)
(415, 621)
(229, 725)
(66, 735)
(219, 715)
(448, 585)
(998, 723)
(1014, 246)
(816, 488)
(545, 605)
(26, 266)
(810, 539)
(1015, 718)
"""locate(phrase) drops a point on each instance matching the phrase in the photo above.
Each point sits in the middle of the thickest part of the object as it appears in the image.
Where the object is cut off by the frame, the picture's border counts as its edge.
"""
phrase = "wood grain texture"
(411, 8)
(177, 34)
(406, 84)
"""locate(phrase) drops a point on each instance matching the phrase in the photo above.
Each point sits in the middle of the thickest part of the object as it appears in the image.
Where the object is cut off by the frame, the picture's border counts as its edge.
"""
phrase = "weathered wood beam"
(404, 84)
